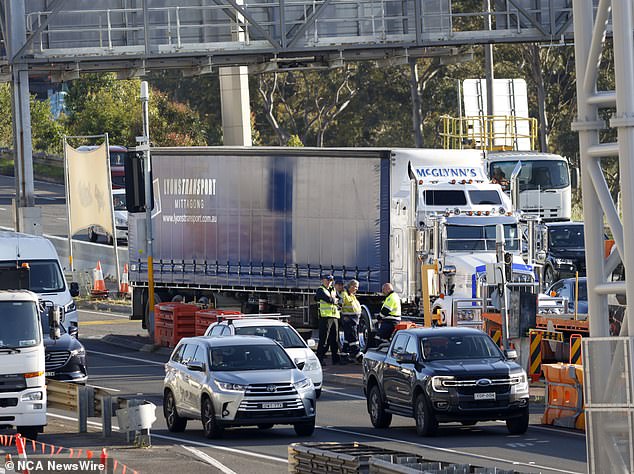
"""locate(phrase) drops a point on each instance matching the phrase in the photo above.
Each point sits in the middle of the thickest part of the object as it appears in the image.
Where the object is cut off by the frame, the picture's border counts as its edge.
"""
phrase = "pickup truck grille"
(471, 386)
(56, 359)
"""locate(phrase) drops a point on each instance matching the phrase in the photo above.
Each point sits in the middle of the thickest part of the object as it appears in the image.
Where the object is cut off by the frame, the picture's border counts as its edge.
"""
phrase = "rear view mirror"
(510, 354)
(74, 289)
(196, 366)
(54, 322)
(135, 183)
(311, 343)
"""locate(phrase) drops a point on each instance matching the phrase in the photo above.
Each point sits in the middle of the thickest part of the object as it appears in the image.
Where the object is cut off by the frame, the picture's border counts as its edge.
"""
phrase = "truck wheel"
(175, 423)
(378, 417)
(518, 425)
(210, 425)
(305, 428)
(29, 432)
(426, 423)
(364, 330)
(549, 277)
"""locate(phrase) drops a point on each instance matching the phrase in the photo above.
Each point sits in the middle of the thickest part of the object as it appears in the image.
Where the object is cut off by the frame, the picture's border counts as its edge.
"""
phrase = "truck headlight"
(440, 383)
(519, 383)
(230, 387)
(304, 385)
(31, 397)
(564, 261)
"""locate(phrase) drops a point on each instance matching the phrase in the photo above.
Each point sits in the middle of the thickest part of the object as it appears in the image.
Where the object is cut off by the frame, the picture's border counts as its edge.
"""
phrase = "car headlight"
(564, 261)
(31, 397)
(230, 387)
(304, 385)
(519, 383)
(312, 364)
(440, 383)
(78, 352)
(70, 307)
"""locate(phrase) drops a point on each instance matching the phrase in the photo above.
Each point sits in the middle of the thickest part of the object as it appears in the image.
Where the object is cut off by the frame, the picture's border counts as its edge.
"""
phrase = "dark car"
(65, 358)
(565, 251)
(445, 374)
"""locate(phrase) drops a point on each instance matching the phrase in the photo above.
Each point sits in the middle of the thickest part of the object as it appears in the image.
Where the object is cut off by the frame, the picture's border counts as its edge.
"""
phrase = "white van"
(46, 276)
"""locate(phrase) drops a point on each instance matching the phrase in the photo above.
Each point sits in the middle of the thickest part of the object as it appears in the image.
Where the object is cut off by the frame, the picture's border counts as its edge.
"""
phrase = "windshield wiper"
(9, 349)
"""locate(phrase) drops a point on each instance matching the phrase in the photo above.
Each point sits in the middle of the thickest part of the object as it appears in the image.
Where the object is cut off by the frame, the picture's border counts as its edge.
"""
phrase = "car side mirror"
(311, 343)
(196, 366)
(300, 365)
(449, 270)
(74, 289)
(73, 331)
(510, 354)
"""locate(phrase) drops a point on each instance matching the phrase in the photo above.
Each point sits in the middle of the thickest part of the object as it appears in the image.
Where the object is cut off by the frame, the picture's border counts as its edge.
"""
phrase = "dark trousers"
(350, 324)
(328, 337)
(383, 333)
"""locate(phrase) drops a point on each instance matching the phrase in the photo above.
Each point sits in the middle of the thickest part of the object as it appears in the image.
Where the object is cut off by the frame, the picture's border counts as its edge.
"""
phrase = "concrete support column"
(236, 110)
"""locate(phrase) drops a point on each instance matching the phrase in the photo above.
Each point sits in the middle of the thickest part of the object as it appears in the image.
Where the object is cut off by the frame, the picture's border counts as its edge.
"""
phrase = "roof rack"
(230, 317)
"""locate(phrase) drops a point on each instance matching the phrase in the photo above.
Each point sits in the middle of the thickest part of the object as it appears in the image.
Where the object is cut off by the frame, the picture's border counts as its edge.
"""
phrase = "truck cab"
(22, 366)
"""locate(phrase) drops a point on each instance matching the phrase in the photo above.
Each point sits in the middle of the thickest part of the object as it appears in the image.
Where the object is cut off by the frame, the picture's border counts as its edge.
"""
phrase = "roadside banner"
(89, 194)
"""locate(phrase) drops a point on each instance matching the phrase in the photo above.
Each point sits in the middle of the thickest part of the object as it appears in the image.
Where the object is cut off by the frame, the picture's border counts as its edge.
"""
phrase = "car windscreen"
(20, 325)
(457, 347)
(568, 237)
(251, 357)
(118, 201)
(45, 276)
(282, 334)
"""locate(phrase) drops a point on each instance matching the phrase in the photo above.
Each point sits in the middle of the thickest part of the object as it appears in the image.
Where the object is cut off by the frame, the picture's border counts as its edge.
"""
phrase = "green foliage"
(294, 141)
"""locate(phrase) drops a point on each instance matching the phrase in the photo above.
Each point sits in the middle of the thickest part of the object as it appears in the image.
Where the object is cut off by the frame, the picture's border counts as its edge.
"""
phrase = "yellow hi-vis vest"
(327, 310)
(393, 303)
(351, 304)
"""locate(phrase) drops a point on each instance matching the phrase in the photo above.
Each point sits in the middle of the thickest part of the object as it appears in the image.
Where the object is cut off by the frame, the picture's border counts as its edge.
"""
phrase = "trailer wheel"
(364, 328)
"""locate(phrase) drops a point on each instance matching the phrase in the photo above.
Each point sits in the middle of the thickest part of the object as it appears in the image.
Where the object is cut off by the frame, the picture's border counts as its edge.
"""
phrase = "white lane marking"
(100, 313)
(127, 366)
(349, 395)
(151, 362)
(3, 209)
(180, 440)
(445, 450)
(208, 459)
(558, 431)
(106, 388)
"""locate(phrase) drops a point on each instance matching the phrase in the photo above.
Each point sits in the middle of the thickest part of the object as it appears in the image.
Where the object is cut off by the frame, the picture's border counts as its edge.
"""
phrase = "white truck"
(545, 181)
(22, 366)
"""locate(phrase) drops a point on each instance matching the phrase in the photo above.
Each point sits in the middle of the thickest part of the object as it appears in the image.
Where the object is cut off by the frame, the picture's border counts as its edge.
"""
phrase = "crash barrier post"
(575, 349)
(349, 458)
(535, 360)
(564, 395)
(206, 317)
(87, 401)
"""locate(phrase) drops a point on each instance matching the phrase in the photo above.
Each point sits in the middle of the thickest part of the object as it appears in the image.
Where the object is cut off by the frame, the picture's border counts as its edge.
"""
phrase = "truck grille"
(264, 400)
(56, 359)
(8, 402)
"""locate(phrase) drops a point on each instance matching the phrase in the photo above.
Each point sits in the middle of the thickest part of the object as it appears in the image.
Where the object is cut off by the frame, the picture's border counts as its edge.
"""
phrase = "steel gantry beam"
(608, 363)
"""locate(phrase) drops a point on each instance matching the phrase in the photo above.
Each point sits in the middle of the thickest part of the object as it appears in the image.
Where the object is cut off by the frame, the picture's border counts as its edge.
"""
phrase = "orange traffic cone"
(99, 287)
(124, 286)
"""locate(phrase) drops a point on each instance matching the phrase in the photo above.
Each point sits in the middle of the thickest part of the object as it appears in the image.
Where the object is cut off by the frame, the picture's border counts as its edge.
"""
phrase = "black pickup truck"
(445, 375)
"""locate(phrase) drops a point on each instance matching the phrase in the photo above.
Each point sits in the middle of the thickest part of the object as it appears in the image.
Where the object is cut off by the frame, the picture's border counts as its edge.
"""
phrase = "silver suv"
(236, 381)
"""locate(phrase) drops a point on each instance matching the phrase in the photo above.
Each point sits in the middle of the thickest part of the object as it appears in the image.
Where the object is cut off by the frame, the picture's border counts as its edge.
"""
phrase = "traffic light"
(508, 266)
(135, 183)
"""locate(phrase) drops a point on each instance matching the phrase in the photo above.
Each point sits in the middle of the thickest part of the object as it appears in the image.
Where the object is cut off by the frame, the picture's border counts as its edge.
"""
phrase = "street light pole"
(145, 147)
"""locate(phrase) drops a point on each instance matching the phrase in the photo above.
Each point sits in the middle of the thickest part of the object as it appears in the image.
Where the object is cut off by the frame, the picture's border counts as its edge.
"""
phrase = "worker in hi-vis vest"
(390, 312)
(350, 314)
(326, 296)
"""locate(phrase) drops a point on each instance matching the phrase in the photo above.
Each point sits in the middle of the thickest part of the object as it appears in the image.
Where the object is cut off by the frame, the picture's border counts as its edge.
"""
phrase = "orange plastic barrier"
(173, 321)
(564, 392)
(205, 317)
(404, 325)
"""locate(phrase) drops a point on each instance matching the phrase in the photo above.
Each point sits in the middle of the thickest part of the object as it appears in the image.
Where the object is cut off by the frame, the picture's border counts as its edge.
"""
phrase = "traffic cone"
(99, 286)
(124, 286)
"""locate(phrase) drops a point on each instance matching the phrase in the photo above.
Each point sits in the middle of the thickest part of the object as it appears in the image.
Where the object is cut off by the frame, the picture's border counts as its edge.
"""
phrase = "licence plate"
(273, 405)
(484, 396)
(49, 374)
